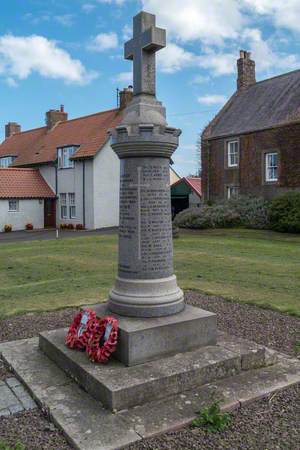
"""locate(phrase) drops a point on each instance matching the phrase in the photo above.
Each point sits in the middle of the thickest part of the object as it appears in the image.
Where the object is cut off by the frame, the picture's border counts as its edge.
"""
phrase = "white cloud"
(88, 7)
(66, 20)
(199, 79)
(174, 58)
(123, 77)
(210, 21)
(283, 13)
(267, 59)
(117, 2)
(103, 42)
(127, 32)
(218, 63)
(21, 56)
(11, 82)
(214, 99)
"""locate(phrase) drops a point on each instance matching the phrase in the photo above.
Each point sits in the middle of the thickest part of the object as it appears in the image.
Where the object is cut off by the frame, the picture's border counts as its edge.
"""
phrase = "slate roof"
(39, 146)
(266, 104)
(23, 183)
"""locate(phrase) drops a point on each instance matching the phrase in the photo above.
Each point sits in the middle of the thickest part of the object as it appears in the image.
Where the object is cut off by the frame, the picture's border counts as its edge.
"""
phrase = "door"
(50, 213)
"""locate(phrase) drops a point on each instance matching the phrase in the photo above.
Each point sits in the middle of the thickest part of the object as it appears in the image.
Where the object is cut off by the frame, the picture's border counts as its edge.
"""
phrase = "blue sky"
(71, 52)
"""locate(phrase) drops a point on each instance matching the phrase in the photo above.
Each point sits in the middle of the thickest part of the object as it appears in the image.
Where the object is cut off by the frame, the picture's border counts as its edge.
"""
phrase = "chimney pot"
(126, 96)
(53, 116)
(12, 128)
(246, 70)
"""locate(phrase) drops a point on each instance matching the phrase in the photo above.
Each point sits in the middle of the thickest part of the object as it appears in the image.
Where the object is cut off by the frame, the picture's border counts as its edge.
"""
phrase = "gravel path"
(266, 425)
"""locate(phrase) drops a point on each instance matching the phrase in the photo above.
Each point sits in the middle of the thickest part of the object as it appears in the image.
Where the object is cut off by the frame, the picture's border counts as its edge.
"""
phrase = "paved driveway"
(34, 235)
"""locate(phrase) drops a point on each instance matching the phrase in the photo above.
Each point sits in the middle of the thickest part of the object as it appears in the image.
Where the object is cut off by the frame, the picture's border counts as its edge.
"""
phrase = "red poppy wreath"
(79, 332)
(103, 339)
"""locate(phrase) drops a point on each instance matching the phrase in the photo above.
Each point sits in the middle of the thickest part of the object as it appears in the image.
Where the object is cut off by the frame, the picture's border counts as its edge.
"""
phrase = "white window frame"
(231, 190)
(16, 202)
(233, 156)
(270, 169)
(63, 205)
(72, 205)
(6, 161)
(64, 154)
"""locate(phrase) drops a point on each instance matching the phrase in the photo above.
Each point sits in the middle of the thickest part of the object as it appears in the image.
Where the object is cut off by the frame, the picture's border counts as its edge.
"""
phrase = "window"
(6, 161)
(72, 205)
(64, 154)
(63, 206)
(271, 165)
(233, 153)
(232, 192)
(13, 205)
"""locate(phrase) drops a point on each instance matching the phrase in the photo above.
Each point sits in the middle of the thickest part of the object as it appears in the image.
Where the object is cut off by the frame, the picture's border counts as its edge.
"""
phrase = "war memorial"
(170, 360)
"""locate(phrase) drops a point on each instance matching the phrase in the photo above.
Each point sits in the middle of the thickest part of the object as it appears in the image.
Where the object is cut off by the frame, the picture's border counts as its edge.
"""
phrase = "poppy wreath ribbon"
(79, 331)
(103, 339)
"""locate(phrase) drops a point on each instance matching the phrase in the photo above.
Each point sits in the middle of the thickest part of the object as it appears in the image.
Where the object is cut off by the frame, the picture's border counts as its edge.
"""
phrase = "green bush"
(250, 212)
(219, 216)
(253, 211)
(285, 213)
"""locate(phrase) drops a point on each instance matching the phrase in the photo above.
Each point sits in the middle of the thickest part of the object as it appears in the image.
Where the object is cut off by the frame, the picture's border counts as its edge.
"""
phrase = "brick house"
(252, 146)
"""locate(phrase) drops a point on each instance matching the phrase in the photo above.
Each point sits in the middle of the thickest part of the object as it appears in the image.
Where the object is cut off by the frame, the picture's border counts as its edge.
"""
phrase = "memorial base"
(146, 339)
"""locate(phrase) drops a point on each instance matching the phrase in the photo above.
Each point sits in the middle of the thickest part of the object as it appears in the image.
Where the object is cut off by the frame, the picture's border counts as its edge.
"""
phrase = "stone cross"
(147, 40)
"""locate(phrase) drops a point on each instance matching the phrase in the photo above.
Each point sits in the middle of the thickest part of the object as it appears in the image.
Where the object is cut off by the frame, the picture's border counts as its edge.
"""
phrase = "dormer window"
(233, 153)
(6, 161)
(64, 154)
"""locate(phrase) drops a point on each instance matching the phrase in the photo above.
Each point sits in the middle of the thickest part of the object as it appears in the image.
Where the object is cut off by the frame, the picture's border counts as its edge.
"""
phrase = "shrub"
(70, 226)
(79, 226)
(219, 216)
(7, 228)
(253, 211)
(63, 226)
(29, 226)
(285, 213)
(175, 231)
(250, 212)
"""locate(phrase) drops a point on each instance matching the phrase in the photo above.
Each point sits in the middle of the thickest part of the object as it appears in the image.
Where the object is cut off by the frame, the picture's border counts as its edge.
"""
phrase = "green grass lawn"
(256, 267)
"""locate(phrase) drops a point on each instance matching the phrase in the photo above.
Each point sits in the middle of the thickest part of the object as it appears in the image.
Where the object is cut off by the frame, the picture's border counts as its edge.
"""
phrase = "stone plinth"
(142, 340)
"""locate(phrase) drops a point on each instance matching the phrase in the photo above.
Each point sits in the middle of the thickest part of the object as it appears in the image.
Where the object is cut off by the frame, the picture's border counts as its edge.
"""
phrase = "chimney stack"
(53, 116)
(126, 97)
(12, 128)
(246, 70)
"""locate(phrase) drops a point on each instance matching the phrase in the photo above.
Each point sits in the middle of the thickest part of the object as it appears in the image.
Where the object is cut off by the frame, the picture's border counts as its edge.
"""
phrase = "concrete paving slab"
(7, 398)
(88, 426)
(12, 382)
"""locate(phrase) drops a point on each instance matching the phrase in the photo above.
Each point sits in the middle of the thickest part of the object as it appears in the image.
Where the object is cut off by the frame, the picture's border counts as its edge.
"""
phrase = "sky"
(71, 52)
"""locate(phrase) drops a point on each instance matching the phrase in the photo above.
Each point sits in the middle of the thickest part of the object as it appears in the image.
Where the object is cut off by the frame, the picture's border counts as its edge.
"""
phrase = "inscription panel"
(145, 230)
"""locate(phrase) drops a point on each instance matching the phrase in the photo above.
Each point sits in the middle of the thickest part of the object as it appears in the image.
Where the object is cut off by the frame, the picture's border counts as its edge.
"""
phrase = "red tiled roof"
(39, 146)
(23, 183)
(193, 182)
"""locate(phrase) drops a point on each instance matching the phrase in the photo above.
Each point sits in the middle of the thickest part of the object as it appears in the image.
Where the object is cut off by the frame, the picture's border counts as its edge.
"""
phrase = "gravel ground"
(269, 424)
(33, 431)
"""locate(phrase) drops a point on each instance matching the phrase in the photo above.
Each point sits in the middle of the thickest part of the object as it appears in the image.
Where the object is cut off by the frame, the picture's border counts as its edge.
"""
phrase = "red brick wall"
(250, 173)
